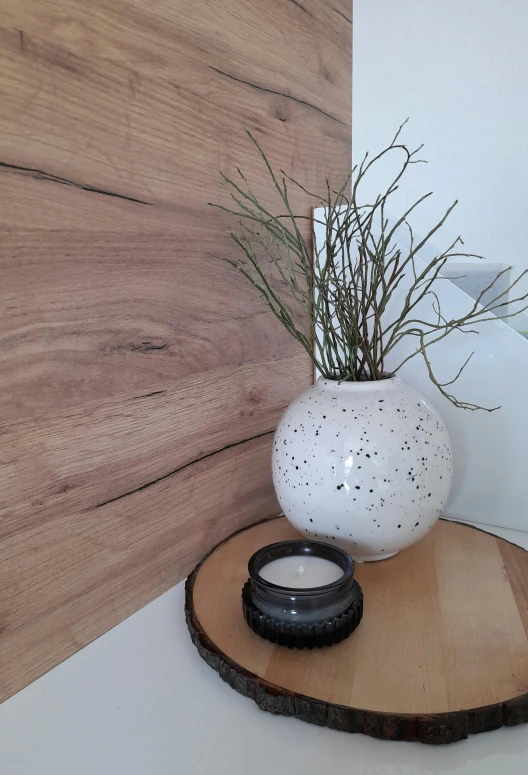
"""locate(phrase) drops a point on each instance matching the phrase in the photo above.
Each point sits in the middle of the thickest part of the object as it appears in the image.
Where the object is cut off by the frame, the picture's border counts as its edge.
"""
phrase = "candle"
(301, 572)
(302, 594)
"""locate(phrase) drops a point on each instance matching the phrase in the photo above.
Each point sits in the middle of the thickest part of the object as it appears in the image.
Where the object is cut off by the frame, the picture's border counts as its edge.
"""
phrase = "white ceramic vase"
(365, 465)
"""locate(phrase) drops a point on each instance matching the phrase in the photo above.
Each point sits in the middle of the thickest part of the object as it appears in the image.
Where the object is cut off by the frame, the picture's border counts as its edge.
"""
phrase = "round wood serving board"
(441, 652)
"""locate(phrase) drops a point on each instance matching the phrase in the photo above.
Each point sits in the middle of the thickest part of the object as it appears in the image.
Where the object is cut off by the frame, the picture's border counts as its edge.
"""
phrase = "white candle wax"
(301, 571)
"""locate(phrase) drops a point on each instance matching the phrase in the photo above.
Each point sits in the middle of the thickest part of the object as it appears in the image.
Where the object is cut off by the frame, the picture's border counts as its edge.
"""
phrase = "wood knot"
(282, 111)
(254, 395)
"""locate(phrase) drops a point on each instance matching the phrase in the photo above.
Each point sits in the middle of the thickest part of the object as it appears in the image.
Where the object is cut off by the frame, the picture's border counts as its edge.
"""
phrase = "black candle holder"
(302, 617)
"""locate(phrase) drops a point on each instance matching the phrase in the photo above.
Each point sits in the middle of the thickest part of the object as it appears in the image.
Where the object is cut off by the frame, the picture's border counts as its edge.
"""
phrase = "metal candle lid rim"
(301, 548)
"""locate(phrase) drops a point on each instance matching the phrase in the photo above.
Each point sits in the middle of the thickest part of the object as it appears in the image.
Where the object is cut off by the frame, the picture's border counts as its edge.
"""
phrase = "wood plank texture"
(441, 652)
(140, 382)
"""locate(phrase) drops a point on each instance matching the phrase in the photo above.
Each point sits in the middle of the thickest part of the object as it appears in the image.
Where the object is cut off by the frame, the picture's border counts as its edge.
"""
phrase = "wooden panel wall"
(140, 382)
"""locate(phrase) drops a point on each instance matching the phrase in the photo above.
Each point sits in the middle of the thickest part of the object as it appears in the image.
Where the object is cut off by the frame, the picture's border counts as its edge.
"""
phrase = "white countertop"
(140, 701)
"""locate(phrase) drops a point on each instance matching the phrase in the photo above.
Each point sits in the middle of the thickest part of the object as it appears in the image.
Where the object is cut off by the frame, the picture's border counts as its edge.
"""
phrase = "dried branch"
(337, 303)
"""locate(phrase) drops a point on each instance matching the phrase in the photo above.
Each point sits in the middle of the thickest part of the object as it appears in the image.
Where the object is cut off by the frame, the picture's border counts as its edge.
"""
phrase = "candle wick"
(300, 570)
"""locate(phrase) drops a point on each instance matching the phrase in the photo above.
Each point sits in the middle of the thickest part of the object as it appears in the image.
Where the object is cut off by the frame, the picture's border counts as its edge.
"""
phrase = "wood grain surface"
(441, 652)
(140, 381)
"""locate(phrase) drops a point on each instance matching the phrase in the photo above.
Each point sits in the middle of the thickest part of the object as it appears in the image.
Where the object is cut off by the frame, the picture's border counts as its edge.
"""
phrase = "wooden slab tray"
(441, 653)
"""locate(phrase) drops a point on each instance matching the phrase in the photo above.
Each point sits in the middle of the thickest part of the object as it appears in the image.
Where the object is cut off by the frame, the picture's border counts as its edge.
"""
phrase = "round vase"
(364, 465)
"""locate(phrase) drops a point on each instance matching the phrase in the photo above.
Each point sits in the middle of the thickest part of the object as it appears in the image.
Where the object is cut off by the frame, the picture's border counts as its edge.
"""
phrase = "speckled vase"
(365, 465)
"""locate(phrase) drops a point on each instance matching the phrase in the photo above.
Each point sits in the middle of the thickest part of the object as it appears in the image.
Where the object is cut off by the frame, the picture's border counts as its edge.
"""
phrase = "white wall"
(459, 70)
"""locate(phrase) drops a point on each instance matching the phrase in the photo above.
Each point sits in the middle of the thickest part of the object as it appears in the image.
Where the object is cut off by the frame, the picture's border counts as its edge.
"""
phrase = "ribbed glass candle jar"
(302, 616)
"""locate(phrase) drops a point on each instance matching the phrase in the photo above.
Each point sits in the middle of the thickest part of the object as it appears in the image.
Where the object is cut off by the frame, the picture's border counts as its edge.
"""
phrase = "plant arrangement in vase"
(360, 458)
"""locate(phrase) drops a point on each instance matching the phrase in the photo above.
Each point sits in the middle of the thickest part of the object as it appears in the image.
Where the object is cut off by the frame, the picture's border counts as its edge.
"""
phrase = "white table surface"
(140, 701)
